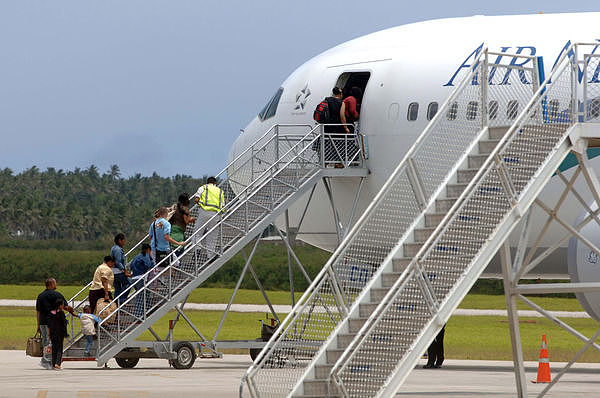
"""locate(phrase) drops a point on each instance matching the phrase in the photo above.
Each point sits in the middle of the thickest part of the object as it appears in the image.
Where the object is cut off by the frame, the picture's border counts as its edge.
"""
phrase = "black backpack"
(321, 114)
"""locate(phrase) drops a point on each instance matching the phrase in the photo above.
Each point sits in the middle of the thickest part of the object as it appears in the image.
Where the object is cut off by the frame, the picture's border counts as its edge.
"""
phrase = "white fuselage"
(417, 63)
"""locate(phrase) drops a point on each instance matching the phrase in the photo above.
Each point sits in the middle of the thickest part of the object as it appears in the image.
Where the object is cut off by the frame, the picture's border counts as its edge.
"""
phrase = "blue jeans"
(46, 360)
(90, 341)
(121, 284)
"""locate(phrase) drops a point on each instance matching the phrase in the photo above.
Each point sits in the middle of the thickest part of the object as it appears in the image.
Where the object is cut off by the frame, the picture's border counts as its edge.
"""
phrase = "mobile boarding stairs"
(441, 216)
(259, 185)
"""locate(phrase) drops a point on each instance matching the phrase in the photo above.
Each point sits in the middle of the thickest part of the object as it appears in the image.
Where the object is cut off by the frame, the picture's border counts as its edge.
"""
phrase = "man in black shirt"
(332, 133)
(46, 302)
(335, 107)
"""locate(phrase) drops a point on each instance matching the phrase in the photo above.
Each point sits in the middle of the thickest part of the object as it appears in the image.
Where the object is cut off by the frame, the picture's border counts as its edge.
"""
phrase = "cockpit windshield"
(271, 107)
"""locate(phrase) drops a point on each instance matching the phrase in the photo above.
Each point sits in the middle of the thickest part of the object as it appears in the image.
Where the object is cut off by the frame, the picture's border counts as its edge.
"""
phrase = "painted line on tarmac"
(525, 313)
(284, 309)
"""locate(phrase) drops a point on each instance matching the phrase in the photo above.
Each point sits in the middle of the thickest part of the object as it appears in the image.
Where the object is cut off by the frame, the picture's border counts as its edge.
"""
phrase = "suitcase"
(34, 346)
(108, 314)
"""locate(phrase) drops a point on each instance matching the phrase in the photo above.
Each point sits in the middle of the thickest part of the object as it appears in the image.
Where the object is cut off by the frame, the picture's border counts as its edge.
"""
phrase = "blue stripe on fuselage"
(571, 159)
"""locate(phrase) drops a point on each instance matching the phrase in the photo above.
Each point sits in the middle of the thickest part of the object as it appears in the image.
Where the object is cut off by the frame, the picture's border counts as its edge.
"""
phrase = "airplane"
(406, 73)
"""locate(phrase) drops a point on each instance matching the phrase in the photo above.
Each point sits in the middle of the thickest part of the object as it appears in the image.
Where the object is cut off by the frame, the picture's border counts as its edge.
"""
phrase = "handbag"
(34, 346)
(107, 315)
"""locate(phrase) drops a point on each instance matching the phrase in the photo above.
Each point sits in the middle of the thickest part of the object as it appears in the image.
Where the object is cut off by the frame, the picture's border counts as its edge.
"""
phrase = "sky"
(165, 86)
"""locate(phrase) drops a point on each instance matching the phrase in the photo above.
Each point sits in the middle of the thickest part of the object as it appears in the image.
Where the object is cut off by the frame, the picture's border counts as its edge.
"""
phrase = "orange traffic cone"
(543, 375)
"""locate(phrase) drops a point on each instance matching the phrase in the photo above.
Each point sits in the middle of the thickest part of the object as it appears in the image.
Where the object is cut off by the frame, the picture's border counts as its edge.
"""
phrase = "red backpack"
(321, 114)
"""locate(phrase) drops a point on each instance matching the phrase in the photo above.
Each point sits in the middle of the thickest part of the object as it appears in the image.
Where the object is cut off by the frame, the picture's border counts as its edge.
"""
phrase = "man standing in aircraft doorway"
(334, 134)
(210, 199)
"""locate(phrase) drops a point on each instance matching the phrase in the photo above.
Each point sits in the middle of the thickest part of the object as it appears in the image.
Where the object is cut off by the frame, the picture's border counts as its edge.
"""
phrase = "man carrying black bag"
(46, 302)
(328, 112)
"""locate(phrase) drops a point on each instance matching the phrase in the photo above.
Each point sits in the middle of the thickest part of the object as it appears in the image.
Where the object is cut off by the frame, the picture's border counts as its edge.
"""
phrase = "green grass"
(475, 337)
(487, 302)
(200, 295)
(18, 323)
(487, 337)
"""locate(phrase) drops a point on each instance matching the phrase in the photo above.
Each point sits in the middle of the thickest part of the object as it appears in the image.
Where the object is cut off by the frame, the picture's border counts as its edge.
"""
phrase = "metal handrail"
(433, 240)
(252, 147)
(304, 144)
(323, 275)
(228, 206)
(309, 143)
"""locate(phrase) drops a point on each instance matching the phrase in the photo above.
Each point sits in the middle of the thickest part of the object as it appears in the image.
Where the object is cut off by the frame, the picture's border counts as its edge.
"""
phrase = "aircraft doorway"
(347, 80)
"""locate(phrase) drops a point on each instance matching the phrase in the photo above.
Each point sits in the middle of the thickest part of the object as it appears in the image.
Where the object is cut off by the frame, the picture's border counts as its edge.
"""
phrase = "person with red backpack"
(349, 112)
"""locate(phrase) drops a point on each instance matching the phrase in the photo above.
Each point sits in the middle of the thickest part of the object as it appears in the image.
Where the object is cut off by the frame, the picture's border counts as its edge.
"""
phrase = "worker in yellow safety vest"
(210, 199)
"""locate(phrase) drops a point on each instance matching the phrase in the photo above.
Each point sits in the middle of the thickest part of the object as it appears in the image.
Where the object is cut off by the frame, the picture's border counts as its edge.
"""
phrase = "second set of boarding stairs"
(444, 212)
(258, 186)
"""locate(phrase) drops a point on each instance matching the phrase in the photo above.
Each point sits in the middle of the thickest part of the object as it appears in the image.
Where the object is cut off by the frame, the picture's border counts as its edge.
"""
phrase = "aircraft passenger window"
(594, 108)
(413, 111)
(472, 110)
(432, 110)
(553, 108)
(271, 107)
(452, 112)
(493, 110)
(512, 110)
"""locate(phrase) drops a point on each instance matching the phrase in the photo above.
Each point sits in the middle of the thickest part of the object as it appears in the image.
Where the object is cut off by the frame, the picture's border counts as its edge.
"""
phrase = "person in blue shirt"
(160, 231)
(141, 264)
(121, 274)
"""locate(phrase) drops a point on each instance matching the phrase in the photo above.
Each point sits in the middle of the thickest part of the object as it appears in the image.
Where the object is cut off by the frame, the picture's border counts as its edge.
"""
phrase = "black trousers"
(435, 352)
(57, 350)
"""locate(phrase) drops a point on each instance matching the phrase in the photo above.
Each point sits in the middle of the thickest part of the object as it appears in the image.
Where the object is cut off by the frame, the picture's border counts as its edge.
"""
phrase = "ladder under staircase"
(408, 262)
(260, 184)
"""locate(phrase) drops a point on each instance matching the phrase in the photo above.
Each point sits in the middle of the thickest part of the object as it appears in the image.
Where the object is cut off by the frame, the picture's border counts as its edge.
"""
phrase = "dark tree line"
(82, 205)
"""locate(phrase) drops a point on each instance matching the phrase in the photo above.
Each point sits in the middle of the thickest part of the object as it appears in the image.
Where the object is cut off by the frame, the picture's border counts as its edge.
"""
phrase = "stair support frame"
(514, 290)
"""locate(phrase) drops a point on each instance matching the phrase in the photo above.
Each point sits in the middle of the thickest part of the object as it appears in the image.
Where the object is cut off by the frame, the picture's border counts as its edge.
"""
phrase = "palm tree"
(115, 172)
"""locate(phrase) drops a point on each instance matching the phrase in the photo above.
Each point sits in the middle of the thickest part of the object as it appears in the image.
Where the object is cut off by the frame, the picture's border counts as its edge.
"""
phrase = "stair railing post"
(586, 60)
(574, 81)
(483, 92)
(145, 299)
(251, 164)
(276, 145)
(513, 321)
(170, 277)
(220, 251)
(289, 257)
(322, 146)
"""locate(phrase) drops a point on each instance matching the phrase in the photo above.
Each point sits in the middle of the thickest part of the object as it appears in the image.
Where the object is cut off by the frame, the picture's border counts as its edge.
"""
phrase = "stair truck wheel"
(127, 363)
(186, 355)
(255, 351)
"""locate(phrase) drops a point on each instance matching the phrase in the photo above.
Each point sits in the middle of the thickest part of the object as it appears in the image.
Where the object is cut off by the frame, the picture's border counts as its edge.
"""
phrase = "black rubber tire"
(127, 363)
(186, 355)
(255, 351)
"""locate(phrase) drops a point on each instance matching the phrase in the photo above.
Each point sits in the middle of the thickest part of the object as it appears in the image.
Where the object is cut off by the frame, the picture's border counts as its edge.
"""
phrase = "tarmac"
(21, 376)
